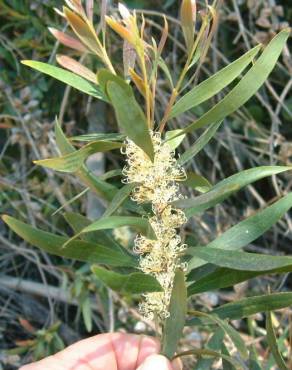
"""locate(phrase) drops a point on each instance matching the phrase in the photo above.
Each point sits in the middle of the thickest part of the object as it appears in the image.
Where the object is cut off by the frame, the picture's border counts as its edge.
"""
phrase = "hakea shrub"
(159, 264)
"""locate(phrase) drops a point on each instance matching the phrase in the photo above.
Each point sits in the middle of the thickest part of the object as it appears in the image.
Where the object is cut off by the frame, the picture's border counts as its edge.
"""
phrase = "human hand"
(116, 351)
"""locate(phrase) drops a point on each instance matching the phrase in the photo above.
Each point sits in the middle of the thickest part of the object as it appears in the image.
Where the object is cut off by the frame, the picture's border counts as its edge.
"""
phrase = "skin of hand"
(113, 351)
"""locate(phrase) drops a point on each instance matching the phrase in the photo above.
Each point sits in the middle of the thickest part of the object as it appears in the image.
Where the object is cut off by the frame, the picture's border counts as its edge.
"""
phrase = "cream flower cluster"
(157, 184)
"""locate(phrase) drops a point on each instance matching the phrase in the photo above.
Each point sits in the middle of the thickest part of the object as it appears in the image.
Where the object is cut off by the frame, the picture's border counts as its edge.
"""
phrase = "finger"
(104, 351)
(148, 347)
(96, 352)
(155, 362)
(177, 364)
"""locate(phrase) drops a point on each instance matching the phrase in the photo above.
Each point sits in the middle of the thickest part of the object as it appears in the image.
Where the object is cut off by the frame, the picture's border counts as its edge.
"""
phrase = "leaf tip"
(5, 218)
(26, 62)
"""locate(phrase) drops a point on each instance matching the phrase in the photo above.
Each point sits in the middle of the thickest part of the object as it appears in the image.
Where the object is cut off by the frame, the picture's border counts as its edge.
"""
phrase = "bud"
(188, 19)
(124, 11)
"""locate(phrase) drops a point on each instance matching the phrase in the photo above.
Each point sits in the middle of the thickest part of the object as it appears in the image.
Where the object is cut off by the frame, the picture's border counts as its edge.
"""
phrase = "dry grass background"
(47, 302)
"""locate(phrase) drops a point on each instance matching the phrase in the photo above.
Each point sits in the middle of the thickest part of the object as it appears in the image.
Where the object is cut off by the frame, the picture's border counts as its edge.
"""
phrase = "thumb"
(155, 362)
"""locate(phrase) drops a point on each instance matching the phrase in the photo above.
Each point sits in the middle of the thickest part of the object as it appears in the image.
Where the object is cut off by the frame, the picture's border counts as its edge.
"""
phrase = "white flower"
(157, 184)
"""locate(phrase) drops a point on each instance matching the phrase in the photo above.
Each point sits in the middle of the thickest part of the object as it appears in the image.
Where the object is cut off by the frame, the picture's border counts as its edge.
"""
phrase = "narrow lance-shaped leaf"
(119, 199)
(202, 352)
(227, 187)
(134, 283)
(214, 84)
(122, 31)
(224, 277)
(161, 63)
(67, 40)
(97, 136)
(84, 30)
(247, 86)
(174, 143)
(112, 222)
(96, 184)
(70, 201)
(253, 363)
(232, 333)
(203, 140)
(249, 306)
(214, 343)
(272, 341)
(73, 162)
(67, 77)
(79, 250)
(76, 67)
(174, 324)
(238, 260)
(79, 222)
(130, 117)
(63, 143)
(206, 200)
(87, 312)
(197, 182)
(248, 230)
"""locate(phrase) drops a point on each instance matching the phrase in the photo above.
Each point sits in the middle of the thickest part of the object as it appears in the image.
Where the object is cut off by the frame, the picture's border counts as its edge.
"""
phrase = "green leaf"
(174, 324)
(174, 143)
(79, 222)
(253, 361)
(96, 137)
(72, 162)
(67, 77)
(194, 149)
(272, 341)
(238, 260)
(134, 283)
(249, 306)
(210, 87)
(197, 182)
(206, 200)
(165, 69)
(78, 250)
(223, 278)
(87, 313)
(119, 198)
(113, 222)
(227, 187)
(248, 230)
(225, 364)
(232, 333)
(70, 201)
(97, 184)
(111, 174)
(214, 344)
(251, 175)
(247, 86)
(203, 352)
(63, 143)
(130, 117)
(105, 76)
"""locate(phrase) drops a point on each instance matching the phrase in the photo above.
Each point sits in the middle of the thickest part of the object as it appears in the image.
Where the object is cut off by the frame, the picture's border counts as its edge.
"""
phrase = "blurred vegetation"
(48, 302)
